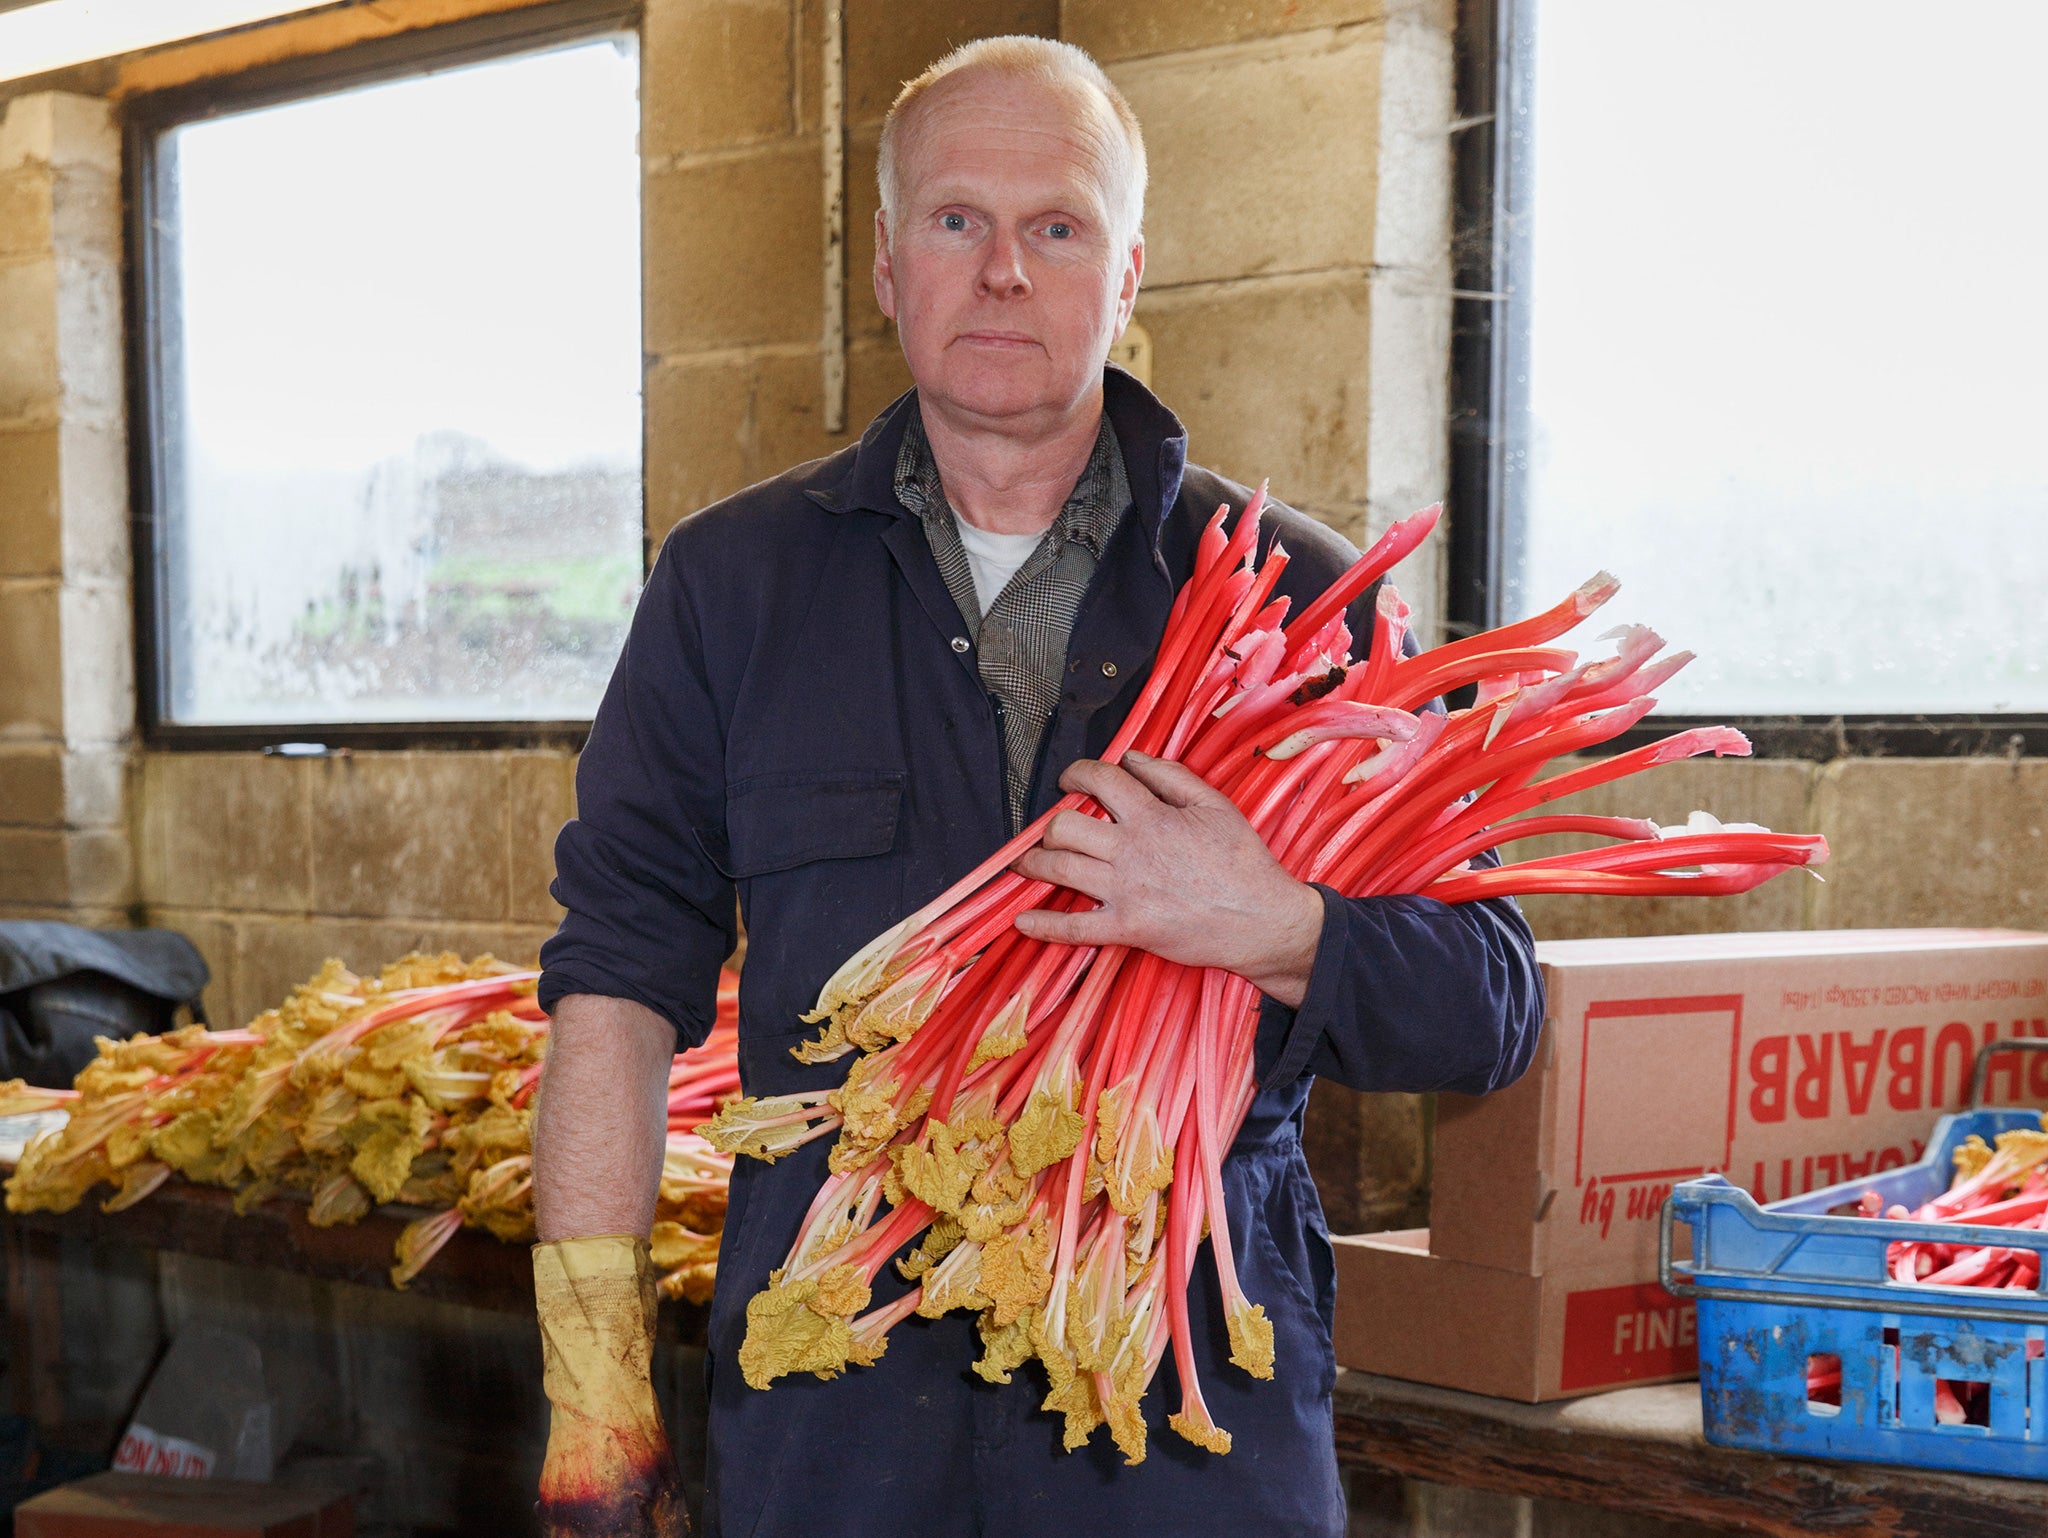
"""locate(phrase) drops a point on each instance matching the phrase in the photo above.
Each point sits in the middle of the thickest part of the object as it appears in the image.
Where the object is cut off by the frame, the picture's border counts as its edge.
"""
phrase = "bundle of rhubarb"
(413, 1086)
(1044, 1126)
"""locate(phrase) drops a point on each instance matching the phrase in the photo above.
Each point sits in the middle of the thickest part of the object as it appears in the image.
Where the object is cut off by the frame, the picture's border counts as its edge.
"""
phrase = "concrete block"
(714, 73)
(1933, 841)
(411, 835)
(214, 935)
(31, 523)
(1369, 1157)
(789, 404)
(716, 425)
(1263, 158)
(1406, 439)
(699, 436)
(93, 489)
(71, 867)
(734, 250)
(226, 831)
(31, 669)
(29, 380)
(99, 662)
(1127, 29)
(90, 366)
(273, 954)
(1271, 378)
(85, 214)
(889, 43)
(541, 797)
(25, 212)
(32, 866)
(1412, 218)
(60, 128)
(864, 317)
(97, 786)
(1773, 792)
(32, 786)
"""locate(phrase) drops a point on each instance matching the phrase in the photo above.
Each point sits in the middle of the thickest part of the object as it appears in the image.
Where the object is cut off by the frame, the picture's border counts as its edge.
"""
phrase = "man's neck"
(1006, 483)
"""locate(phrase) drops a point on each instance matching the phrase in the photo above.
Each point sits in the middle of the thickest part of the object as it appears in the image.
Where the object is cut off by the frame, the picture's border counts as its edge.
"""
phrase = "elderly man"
(843, 688)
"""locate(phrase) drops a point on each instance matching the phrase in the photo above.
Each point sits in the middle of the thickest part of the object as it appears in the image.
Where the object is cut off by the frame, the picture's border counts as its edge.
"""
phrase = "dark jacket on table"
(798, 715)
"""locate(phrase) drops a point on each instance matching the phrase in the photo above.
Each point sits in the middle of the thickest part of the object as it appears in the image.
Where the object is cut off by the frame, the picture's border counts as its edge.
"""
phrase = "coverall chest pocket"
(776, 822)
(818, 861)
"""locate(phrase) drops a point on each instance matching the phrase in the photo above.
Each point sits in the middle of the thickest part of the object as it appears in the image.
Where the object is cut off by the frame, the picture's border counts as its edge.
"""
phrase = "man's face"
(1007, 280)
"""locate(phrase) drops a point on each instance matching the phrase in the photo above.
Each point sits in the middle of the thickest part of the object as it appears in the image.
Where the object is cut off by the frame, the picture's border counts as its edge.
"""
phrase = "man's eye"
(954, 222)
(1059, 231)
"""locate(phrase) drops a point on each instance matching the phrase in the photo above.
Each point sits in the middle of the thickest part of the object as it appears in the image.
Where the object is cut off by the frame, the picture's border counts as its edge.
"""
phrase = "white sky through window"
(401, 357)
(1787, 344)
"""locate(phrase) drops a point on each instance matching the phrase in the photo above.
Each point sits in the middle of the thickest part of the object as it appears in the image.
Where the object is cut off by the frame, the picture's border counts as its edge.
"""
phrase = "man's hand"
(1179, 873)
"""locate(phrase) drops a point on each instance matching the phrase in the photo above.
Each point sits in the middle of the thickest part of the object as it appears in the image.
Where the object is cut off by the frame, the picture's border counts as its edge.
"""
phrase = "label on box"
(1782, 1090)
(1615, 1335)
(144, 1451)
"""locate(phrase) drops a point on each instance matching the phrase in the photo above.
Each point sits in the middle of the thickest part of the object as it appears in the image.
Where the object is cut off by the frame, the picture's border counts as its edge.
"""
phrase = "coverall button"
(960, 644)
(1109, 670)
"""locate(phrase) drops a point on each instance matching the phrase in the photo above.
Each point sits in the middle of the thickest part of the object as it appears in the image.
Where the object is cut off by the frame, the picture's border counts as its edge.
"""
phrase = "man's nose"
(1002, 269)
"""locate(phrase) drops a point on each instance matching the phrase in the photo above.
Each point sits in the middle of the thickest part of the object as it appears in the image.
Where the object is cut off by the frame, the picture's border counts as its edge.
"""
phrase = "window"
(393, 371)
(1766, 344)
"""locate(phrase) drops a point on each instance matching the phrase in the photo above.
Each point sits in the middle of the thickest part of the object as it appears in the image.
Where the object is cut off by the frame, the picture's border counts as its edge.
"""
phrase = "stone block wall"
(67, 695)
(272, 864)
(1297, 297)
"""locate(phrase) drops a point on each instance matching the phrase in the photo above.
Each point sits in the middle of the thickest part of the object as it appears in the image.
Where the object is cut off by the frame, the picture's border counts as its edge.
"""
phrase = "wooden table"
(1641, 1452)
(1638, 1451)
(473, 1268)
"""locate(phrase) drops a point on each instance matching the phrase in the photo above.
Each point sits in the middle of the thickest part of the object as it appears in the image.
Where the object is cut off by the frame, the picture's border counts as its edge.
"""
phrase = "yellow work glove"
(609, 1469)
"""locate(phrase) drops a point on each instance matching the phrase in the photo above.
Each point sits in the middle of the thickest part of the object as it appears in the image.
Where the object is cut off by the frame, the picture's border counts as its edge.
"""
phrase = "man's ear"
(1134, 274)
(885, 275)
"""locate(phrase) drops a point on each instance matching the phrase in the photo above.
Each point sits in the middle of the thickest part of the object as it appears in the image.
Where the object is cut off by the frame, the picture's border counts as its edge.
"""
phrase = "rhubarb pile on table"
(413, 1086)
(1041, 1127)
(1997, 1185)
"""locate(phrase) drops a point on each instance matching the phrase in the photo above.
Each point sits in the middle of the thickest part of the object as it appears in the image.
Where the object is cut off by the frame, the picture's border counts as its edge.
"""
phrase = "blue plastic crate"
(1777, 1285)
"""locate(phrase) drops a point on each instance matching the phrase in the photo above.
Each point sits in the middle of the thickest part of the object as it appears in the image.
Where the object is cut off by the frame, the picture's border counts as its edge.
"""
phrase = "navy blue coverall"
(798, 714)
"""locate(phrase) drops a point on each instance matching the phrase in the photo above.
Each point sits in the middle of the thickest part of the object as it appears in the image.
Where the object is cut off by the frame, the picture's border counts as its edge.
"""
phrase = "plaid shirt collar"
(1092, 511)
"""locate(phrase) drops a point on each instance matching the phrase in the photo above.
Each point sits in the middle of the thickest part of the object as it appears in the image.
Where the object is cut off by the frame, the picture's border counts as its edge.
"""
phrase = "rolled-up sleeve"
(1409, 993)
(649, 914)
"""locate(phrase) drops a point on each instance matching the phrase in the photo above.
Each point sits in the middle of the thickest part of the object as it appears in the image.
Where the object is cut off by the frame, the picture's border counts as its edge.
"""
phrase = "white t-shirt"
(993, 558)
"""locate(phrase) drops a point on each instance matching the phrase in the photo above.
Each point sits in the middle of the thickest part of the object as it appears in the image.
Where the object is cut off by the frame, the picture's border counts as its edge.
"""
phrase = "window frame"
(152, 448)
(1489, 252)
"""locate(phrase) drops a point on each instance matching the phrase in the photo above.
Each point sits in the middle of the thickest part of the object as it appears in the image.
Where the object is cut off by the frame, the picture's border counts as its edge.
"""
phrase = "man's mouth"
(998, 339)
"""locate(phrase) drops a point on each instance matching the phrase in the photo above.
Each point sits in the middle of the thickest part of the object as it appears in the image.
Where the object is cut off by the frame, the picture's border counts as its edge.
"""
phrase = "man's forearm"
(602, 1120)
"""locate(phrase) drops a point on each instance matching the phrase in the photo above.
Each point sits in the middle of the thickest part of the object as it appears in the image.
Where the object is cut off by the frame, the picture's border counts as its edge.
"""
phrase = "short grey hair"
(1047, 62)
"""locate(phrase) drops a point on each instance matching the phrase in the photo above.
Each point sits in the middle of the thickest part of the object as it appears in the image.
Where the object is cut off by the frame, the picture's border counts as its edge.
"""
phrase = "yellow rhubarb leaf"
(1047, 1132)
(937, 1244)
(1251, 1338)
(841, 1292)
(938, 1173)
(1014, 1271)
(1004, 1347)
(954, 1284)
(1201, 1431)
(1005, 1033)
(866, 1103)
(739, 1128)
(1971, 1155)
(785, 1335)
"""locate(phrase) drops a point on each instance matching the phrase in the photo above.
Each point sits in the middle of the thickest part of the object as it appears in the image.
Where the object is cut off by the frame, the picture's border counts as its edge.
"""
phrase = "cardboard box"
(1784, 1062)
(119, 1505)
(1406, 1313)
